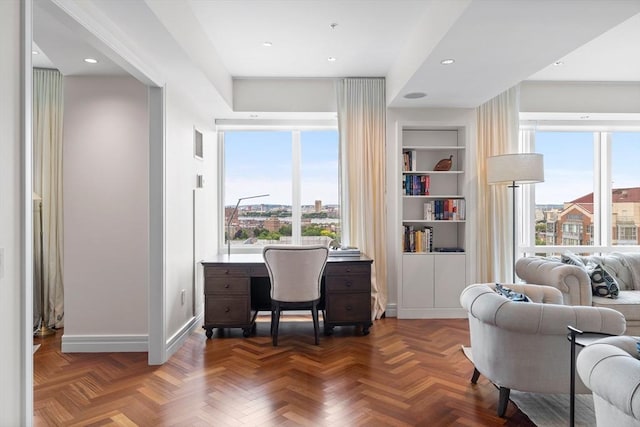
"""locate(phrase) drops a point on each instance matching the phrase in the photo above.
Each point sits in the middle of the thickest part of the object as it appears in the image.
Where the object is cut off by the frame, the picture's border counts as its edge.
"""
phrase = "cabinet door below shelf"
(417, 281)
(450, 279)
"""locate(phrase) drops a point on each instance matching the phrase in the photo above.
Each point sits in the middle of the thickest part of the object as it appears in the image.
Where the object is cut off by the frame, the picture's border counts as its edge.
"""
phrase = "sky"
(260, 162)
(569, 169)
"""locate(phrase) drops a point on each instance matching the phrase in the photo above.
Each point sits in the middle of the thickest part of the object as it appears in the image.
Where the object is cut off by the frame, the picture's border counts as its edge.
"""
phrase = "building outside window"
(298, 171)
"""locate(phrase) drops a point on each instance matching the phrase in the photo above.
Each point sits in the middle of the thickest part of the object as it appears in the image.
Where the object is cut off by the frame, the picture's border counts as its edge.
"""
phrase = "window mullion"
(296, 209)
(604, 199)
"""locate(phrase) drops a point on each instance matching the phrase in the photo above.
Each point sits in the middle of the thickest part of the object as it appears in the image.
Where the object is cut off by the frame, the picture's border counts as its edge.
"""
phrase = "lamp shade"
(525, 168)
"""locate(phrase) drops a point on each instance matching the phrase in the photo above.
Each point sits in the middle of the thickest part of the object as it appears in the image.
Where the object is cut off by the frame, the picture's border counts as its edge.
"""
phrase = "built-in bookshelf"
(433, 211)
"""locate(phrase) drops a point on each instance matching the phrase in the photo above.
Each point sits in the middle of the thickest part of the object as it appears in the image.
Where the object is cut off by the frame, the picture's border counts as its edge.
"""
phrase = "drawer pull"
(349, 308)
(348, 283)
(226, 286)
(226, 272)
(227, 309)
(348, 270)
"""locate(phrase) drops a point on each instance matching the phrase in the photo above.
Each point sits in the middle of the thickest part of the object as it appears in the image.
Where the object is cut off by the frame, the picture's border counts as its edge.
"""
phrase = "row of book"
(409, 160)
(445, 210)
(417, 239)
(416, 185)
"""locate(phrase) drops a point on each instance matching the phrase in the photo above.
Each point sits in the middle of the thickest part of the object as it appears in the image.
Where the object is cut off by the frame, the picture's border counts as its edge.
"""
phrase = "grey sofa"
(575, 284)
(610, 368)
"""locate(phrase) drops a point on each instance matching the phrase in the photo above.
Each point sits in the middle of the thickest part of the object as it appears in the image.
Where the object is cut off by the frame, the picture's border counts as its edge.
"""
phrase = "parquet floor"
(404, 373)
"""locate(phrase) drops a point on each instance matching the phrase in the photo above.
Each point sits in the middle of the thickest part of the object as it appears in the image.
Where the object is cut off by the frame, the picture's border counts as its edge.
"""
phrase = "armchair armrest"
(571, 280)
(608, 368)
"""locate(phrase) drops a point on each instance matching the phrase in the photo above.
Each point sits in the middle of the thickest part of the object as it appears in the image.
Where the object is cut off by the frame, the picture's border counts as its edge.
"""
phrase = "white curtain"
(362, 126)
(498, 122)
(47, 184)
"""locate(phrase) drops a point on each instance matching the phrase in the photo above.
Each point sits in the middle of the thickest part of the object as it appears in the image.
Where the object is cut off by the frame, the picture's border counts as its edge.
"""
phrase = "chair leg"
(475, 376)
(275, 324)
(314, 314)
(503, 401)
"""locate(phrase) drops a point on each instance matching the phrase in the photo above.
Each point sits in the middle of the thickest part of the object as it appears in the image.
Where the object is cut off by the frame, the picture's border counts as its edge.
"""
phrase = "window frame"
(296, 128)
(602, 232)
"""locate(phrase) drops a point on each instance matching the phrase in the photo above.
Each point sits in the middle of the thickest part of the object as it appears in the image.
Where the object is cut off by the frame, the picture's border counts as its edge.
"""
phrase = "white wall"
(424, 116)
(106, 242)
(580, 97)
(181, 170)
(15, 362)
(284, 95)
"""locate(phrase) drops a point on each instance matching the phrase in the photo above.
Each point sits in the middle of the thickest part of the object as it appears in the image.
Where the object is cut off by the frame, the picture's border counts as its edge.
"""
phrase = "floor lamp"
(521, 168)
(43, 329)
(231, 217)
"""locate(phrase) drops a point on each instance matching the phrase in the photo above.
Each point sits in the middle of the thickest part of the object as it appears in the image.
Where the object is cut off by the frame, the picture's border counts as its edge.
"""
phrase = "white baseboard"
(391, 310)
(104, 343)
(177, 340)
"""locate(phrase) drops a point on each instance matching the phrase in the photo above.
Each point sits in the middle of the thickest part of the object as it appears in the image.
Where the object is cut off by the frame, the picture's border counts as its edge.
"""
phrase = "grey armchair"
(523, 345)
(296, 275)
(611, 369)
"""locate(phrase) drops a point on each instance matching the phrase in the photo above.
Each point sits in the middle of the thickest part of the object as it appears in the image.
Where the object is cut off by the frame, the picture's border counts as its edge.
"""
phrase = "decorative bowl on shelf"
(444, 164)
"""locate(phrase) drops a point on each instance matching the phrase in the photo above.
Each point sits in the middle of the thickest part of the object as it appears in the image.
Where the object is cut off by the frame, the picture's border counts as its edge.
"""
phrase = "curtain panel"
(47, 185)
(497, 127)
(362, 128)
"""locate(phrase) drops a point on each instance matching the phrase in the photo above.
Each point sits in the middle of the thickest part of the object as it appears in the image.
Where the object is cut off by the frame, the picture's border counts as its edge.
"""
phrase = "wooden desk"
(236, 287)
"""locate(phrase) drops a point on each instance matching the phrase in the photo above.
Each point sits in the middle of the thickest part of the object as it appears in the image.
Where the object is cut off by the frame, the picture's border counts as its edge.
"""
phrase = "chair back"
(295, 271)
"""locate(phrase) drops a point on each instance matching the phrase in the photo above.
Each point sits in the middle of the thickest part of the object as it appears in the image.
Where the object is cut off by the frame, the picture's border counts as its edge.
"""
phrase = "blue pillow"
(603, 284)
(513, 296)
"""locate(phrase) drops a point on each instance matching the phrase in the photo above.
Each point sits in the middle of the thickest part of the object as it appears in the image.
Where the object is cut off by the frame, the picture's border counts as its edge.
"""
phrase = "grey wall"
(106, 242)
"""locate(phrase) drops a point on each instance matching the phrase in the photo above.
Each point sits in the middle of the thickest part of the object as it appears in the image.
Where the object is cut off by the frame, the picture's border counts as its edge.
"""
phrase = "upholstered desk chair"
(523, 345)
(295, 273)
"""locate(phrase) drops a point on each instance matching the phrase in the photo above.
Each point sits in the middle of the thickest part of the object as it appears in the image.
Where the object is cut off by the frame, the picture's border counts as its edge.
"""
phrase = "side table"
(582, 339)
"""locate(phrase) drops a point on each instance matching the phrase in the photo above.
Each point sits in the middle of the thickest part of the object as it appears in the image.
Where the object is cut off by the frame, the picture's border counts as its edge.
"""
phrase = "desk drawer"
(348, 269)
(227, 285)
(348, 283)
(345, 308)
(226, 311)
(226, 271)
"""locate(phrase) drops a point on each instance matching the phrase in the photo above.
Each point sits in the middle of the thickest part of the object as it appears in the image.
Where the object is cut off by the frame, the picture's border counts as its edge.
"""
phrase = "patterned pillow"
(571, 258)
(513, 296)
(603, 284)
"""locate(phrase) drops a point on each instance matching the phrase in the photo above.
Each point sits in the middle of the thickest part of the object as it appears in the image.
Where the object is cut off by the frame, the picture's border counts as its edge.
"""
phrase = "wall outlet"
(183, 294)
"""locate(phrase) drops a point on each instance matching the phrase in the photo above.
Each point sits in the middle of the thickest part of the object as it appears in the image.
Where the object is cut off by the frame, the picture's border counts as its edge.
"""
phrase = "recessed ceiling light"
(331, 59)
(447, 61)
(558, 63)
(253, 116)
(267, 44)
(584, 117)
(415, 95)
(333, 25)
(90, 60)
(34, 52)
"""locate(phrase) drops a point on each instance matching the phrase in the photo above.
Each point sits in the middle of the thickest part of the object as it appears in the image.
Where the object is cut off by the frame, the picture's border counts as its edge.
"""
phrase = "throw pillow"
(513, 296)
(570, 258)
(602, 283)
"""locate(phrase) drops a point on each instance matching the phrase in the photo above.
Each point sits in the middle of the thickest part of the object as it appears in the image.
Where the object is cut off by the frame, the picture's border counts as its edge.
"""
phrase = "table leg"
(572, 391)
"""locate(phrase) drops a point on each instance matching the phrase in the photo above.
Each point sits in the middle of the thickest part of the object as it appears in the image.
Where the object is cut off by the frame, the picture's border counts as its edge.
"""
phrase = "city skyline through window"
(298, 169)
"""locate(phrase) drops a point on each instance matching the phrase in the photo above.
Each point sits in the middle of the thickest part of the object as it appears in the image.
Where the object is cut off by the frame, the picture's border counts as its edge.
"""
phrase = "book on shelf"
(416, 185)
(444, 210)
(417, 239)
(409, 160)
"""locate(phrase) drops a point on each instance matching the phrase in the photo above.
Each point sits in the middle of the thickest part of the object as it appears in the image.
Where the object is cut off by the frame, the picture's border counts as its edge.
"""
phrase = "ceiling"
(201, 45)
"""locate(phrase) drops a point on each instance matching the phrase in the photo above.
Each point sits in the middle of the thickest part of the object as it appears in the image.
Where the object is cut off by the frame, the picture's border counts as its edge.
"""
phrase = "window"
(297, 170)
(591, 193)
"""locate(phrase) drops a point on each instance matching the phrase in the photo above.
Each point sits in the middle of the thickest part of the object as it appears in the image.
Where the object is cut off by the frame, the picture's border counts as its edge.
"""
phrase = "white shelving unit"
(432, 275)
